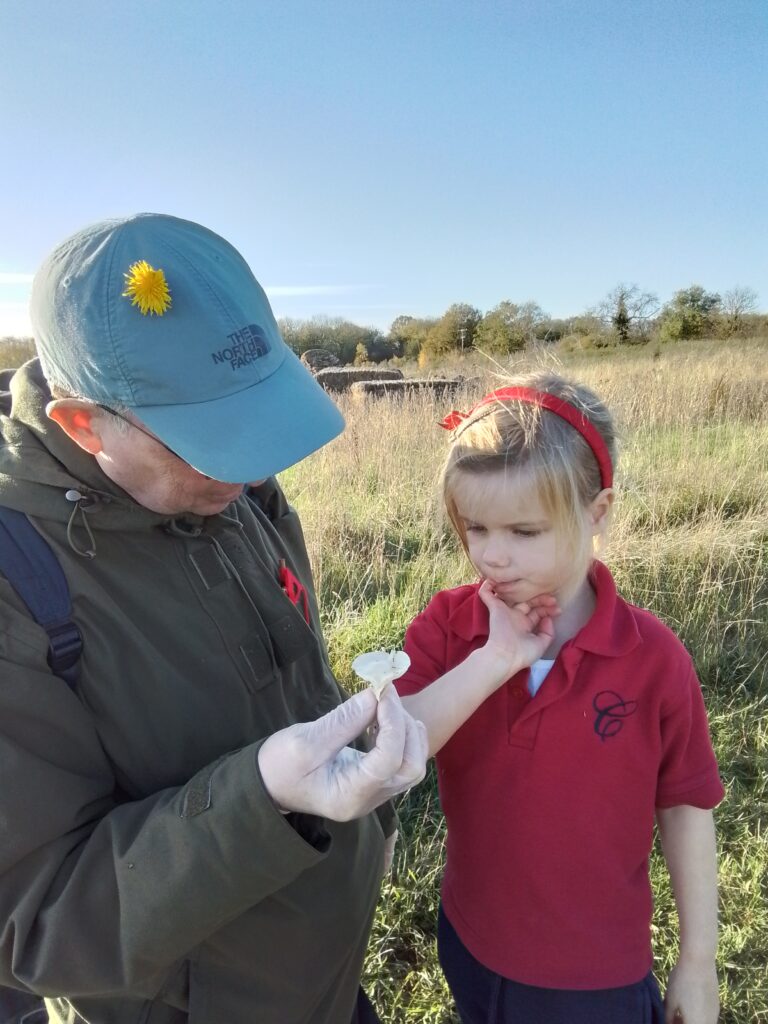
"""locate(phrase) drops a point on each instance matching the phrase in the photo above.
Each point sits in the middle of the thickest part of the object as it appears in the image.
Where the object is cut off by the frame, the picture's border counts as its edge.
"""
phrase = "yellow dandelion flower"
(147, 289)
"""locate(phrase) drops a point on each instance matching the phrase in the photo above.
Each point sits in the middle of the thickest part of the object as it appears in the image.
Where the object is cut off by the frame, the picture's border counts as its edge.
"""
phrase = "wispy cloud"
(14, 319)
(8, 277)
(14, 316)
(281, 290)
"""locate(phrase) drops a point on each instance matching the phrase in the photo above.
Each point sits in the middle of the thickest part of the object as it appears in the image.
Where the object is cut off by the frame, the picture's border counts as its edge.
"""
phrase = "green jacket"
(146, 877)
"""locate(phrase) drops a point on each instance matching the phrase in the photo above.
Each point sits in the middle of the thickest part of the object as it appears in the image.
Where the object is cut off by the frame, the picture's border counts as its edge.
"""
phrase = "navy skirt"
(484, 997)
(364, 1011)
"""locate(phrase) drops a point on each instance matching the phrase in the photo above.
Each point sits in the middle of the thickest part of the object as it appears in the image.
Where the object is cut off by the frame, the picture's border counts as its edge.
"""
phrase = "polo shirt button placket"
(518, 699)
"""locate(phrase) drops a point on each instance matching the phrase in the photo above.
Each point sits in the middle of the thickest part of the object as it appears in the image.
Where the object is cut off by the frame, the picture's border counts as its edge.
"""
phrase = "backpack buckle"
(65, 644)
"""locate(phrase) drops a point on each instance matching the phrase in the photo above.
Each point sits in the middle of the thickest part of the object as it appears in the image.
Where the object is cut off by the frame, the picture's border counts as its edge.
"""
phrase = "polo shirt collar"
(469, 617)
(611, 631)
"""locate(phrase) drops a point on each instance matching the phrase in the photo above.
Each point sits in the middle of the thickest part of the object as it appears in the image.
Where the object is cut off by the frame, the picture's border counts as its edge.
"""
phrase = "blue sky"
(377, 158)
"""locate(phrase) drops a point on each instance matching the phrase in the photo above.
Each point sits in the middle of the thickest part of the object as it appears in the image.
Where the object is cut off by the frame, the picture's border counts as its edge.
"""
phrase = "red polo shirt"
(549, 800)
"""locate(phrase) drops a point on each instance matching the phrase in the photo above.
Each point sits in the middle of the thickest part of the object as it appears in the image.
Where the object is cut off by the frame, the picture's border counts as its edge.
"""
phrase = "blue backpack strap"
(21, 1008)
(34, 572)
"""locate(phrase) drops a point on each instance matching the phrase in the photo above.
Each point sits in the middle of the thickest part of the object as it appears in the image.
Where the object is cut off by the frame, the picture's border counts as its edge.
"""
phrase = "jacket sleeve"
(102, 897)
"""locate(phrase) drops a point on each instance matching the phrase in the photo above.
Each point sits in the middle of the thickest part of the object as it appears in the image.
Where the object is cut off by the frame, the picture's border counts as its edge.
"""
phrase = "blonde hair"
(516, 436)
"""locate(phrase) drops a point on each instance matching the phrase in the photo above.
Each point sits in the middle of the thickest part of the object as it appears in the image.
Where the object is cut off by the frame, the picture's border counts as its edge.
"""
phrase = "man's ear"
(600, 509)
(79, 421)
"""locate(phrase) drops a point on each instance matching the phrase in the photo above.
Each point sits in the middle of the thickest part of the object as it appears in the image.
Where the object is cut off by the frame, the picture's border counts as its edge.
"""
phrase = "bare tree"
(735, 305)
(628, 310)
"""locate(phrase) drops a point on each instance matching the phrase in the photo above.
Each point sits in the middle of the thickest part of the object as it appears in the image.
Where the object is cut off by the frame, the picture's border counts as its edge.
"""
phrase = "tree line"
(626, 316)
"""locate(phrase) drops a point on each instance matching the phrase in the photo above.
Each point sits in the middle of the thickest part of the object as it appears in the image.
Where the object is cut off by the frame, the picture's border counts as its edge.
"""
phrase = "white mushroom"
(380, 667)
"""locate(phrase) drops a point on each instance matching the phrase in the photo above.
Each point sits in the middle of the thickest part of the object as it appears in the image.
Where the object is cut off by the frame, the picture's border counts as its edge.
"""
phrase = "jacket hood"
(39, 464)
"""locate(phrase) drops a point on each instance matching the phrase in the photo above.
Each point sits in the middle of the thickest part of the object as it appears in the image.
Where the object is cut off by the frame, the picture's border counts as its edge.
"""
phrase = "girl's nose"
(495, 553)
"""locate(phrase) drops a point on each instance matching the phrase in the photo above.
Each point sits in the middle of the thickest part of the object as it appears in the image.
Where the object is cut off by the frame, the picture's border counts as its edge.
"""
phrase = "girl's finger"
(488, 595)
(546, 607)
(533, 617)
(546, 628)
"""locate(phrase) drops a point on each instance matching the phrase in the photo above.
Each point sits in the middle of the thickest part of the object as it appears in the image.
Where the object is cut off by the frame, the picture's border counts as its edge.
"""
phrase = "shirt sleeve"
(688, 772)
(426, 645)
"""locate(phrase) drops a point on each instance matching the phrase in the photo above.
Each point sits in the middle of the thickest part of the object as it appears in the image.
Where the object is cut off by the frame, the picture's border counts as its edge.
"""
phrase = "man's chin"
(213, 506)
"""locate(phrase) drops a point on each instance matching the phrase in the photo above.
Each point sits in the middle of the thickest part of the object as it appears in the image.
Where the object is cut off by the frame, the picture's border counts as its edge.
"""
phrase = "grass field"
(689, 541)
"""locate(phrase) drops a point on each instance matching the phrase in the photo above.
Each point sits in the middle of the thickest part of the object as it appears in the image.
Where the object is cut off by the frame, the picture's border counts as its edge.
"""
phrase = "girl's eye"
(474, 528)
(527, 533)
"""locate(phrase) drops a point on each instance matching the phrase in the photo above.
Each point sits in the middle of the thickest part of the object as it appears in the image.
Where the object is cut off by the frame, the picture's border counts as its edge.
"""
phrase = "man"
(175, 847)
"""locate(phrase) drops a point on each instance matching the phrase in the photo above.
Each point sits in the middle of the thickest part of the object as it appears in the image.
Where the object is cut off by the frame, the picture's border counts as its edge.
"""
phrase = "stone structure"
(344, 377)
(319, 359)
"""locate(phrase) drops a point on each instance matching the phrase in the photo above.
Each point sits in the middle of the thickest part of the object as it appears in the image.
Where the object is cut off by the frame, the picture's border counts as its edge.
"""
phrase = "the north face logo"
(246, 345)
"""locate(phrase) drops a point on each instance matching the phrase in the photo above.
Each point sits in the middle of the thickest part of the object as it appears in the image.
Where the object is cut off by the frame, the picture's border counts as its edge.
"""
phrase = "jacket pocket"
(260, 665)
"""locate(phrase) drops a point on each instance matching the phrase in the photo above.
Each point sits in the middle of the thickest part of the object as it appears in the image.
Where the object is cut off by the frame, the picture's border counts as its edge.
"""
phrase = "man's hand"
(309, 767)
(692, 994)
(521, 634)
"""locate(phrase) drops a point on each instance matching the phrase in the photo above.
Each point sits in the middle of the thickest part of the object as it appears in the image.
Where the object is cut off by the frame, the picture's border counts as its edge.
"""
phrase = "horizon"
(384, 328)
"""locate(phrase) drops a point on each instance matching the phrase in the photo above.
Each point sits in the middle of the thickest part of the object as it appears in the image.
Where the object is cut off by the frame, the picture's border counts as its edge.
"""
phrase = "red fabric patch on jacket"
(294, 590)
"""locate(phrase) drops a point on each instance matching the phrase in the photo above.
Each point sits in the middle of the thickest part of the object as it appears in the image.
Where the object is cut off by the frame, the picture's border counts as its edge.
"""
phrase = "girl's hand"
(692, 994)
(519, 635)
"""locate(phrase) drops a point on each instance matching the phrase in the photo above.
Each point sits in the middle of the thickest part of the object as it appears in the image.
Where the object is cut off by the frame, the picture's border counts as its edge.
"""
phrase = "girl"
(563, 720)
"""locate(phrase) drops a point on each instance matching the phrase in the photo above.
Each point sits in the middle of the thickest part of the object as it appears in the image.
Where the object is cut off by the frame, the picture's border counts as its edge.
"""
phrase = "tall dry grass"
(689, 540)
(15, 351)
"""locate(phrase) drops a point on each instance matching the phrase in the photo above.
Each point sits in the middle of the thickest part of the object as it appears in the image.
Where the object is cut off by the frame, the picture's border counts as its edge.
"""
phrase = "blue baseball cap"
(163, 317)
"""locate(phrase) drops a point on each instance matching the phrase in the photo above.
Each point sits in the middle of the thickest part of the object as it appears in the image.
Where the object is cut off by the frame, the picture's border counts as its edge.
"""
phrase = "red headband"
(561, 408)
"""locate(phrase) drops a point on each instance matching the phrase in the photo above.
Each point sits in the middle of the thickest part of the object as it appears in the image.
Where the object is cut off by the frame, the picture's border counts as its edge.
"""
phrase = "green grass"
(689, 541)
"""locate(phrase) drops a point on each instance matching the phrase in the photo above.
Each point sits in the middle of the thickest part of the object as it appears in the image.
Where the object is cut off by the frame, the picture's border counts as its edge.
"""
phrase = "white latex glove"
(309, 768)
(389, 851)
